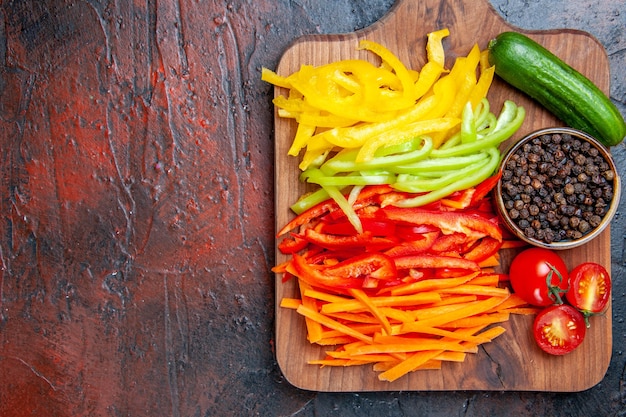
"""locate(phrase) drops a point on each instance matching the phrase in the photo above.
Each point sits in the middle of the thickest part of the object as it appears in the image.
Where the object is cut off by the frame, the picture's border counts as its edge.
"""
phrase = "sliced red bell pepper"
(415, 245)
(317, 278)
(367, 196)
(309, 215)
(485, 188)
(485, 248)
(292, 244)
(372, 264)
(336, 242)
(414, 232)
(459, 199)
(453, 242)
(427, 261)
(473, 226)
(373, 226)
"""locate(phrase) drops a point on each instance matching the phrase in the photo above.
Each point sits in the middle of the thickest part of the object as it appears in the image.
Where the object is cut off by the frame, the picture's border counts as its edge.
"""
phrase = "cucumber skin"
(566, 93)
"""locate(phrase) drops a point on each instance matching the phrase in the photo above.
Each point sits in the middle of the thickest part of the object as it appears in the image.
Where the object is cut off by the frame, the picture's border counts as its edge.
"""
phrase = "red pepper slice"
(415, 245)
(375, 227)
(473, 226)
(454, 242)
(374, 264)
(292, 244)
(426, 261)
(414, 232)
(459, 199)
(485, 188)
(317, 278)
(485, 248)
(367, 196)
(335, 242)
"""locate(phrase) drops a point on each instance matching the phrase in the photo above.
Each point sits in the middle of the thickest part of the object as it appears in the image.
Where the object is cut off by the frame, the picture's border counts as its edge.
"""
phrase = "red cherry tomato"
(590, 288)
(529, 275)
(559, 329)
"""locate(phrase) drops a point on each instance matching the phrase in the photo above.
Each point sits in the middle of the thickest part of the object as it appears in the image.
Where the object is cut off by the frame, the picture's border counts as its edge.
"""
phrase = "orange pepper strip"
(360, 295)
(409, 344)
(435, 331)
(365, 358)
(333, 324)
(481, 290)
(314, 329)
(471, 309)
(334, 341)
(364, 328)
(416, 360)
(399, 301)
(355, 317)
(435, 311)
(480, 319)
(290, 303)
(337, 362)
(431, 284)
(455, 299)
(451, 356)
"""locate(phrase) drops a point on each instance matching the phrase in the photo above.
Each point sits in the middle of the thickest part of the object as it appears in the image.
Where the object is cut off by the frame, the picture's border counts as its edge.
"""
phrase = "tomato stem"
(554, 291)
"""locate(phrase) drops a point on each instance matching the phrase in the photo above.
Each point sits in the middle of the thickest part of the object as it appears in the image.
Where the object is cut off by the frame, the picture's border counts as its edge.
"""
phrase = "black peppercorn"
(556, 187)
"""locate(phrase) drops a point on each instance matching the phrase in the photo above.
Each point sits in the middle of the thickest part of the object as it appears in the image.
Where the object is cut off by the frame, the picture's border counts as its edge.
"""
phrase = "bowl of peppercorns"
(559, 188)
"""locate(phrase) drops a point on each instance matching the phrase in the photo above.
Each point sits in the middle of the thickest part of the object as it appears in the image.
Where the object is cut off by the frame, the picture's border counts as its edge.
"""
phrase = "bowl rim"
(567, 244)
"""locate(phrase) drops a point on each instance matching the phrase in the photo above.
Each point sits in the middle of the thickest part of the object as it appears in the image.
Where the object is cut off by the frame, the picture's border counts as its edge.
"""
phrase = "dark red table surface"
(137, 230)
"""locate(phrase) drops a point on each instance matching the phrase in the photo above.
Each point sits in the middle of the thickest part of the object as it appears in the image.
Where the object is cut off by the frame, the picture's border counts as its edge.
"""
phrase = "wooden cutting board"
(512, 361)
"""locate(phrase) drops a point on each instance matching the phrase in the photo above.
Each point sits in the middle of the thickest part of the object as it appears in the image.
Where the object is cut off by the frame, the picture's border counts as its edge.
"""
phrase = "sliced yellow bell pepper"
(434, 46)
(430, 73)
(482, 86)
(271, 77)
(404, 133)
(355, 136)
(398, 67)
(303, 135)
(444, 91)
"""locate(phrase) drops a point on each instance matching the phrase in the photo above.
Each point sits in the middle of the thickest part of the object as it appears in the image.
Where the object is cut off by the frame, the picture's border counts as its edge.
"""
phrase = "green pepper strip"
(345, 206)
(468, 124)
(484, 122)
(465, 182)
(513, 114)
(483, 111)
(439, 164)
(316, 176)
(396, 148)
(421, 185)
(310, 200)
(345, 161)
(487, 126)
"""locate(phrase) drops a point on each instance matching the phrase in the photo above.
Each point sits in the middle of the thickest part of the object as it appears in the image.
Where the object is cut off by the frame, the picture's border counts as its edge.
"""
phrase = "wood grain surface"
(512, 362)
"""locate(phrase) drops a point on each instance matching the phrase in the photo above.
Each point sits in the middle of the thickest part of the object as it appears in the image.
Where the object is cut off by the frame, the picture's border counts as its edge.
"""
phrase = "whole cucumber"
(565, 92)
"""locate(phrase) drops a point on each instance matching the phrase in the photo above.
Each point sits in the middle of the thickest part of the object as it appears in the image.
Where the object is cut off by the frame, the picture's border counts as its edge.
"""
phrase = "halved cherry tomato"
(559, 329)
(539, 276)
(590, 288)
